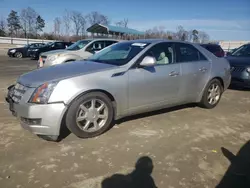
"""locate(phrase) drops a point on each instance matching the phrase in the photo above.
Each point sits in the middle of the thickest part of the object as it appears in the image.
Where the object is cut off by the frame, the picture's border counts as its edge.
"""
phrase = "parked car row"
(33, 50)
(122, 79)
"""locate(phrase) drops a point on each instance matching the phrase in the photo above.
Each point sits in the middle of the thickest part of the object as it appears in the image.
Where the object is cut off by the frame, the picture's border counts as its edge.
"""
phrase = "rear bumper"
(33, 55)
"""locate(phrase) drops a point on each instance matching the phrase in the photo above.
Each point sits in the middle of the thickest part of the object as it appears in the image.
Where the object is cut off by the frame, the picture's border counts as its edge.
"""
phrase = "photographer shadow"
(138, 178)
(238, 173)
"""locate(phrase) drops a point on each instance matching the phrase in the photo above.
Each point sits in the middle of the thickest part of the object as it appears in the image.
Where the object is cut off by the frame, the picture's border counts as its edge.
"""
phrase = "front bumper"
(10, 54)
(40, 119)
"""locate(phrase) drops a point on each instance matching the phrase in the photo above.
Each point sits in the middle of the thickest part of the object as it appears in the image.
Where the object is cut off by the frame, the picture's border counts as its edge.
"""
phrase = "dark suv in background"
(35, 52)
(215, 49)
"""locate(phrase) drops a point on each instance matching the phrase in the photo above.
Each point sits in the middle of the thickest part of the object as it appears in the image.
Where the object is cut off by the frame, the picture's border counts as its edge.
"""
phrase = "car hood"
(54, 52)
(62, 71)
(17, 48)
(238, 61)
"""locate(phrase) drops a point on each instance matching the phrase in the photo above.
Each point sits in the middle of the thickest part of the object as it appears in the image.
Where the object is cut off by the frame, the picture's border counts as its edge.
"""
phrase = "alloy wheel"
(92, 115)
(214, 94)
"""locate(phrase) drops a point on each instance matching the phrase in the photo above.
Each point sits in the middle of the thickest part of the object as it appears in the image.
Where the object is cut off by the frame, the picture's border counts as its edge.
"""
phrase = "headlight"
(13, 51)
(42, 93)
(35, 50)
(248, 69)
(53, 57)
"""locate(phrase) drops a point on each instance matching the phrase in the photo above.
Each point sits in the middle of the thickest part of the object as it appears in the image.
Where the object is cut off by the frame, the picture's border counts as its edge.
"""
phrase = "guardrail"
(229, 45)
(21, 41)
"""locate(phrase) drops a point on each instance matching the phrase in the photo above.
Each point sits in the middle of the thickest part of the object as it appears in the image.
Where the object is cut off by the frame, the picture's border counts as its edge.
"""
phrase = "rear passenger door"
(195, 71)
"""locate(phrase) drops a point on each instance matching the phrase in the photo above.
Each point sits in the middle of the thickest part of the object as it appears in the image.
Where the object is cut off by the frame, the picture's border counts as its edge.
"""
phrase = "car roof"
(152, 41)
(209, 44)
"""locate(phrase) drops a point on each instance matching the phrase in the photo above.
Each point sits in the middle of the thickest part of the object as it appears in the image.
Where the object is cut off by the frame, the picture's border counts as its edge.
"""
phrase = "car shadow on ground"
(140, 177)
(238, 173)
(64, 132)
(154, 113)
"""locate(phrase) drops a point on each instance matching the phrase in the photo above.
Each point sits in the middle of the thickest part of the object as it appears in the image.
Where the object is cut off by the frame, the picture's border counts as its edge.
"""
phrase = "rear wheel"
(212, 94)
(90, 115)
(18, 54)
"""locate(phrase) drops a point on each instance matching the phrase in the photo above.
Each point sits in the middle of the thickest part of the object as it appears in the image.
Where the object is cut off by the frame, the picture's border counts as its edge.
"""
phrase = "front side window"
(163, 53)
(119, 54)
(243, 51)
(96, 46)
(188, 53)
(78, 45)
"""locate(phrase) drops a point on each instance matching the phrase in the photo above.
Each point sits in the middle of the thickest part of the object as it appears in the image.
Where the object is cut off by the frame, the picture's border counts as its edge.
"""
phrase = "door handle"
(203, 69)
(173, 73)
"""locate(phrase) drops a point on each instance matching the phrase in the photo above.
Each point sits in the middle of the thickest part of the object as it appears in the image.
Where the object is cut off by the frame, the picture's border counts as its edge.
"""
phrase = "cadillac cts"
(126, 78)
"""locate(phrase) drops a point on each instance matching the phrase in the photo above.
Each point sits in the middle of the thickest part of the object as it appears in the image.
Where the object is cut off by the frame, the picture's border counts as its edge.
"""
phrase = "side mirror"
(148, 61)
(229, 53)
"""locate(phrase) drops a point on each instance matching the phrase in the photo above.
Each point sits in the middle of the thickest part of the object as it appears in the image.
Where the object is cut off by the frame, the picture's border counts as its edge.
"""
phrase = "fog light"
(30, 121)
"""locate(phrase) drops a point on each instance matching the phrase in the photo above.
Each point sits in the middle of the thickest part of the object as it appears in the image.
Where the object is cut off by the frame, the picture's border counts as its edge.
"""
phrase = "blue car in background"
(240, 66)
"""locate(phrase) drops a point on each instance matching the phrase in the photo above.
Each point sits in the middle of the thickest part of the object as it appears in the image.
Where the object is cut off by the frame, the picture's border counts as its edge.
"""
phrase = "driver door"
(156, 86)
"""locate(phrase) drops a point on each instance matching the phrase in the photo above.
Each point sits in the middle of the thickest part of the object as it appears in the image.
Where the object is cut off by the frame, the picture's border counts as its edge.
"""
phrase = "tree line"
(72, 26)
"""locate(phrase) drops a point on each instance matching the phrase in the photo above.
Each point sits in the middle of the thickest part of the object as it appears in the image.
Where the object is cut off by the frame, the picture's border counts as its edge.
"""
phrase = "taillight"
(220, 54)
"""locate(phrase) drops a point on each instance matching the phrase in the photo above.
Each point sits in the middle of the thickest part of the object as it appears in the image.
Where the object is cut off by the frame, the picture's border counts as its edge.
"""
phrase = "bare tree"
(28, 20)
(203, 37)
(96, 17)
(67, 22)
(76, 18)
(83, 26)
(123, 23)
(57, 26)
(181, 33)
(2, 27)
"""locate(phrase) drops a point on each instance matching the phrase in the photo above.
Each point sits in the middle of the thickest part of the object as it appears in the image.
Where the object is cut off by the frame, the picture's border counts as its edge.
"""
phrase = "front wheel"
(212, 94)
(18, 54)
(90, 115)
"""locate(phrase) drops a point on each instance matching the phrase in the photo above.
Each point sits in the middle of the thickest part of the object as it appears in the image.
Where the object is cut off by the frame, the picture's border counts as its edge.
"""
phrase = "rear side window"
(188, 53)
(59, 45)
(108, 43)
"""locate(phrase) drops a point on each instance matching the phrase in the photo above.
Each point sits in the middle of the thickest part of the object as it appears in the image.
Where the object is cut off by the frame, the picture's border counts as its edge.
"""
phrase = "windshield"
(119, 53)
(78, 45)
(243, 51)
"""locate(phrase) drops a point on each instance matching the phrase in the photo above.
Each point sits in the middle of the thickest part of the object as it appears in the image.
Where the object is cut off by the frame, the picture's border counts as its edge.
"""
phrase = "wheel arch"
(213, 78)
(109, 95)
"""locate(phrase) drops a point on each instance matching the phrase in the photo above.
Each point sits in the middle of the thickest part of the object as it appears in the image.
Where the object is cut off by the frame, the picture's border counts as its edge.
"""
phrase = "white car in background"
(82, 49)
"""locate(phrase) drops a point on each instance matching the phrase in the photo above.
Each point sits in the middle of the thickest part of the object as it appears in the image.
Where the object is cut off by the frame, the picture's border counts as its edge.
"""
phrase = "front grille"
(238, 69)
(18, 92)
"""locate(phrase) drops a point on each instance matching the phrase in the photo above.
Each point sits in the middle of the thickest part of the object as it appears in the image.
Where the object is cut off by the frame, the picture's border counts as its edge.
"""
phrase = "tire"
(206, 100)
(19, 55)
(90, 114)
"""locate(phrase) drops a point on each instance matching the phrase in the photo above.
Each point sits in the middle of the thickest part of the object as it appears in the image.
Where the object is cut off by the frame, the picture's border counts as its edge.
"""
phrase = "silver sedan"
(126, 78)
